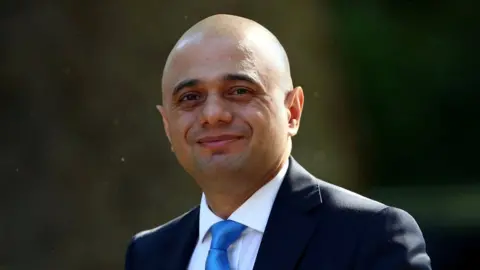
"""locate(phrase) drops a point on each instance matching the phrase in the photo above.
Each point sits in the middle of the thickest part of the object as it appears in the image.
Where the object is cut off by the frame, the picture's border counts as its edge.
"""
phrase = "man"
(230, 112)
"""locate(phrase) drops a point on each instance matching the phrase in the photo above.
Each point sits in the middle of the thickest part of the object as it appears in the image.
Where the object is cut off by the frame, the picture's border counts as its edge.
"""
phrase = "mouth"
(216, 142)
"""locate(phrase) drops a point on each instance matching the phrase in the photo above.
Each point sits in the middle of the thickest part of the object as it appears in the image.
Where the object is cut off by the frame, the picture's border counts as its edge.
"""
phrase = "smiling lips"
(216, 142)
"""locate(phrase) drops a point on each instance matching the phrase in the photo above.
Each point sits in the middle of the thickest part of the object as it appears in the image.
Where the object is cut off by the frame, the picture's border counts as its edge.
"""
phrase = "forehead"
(210, 58)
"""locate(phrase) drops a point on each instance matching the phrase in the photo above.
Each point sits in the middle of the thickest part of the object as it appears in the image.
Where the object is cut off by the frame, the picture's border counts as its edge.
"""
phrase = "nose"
(215, 111)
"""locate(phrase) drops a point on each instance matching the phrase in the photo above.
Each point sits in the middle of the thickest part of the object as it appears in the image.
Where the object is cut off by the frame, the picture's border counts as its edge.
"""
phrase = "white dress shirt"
(253, 213)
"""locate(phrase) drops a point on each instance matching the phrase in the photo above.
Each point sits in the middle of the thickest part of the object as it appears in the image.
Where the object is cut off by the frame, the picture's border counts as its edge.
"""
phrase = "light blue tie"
(224, 233)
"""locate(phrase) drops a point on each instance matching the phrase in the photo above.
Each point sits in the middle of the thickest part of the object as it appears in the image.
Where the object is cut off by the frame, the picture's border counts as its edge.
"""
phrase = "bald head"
(260, 47)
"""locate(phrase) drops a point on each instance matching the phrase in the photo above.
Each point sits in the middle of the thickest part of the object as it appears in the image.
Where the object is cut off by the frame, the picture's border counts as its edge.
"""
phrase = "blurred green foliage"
(412, 69)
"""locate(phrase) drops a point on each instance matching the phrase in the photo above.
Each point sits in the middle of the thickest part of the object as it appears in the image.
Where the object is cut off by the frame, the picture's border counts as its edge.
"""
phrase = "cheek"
(268, 110)
(260, 117)
(270, 117)
(180, 125)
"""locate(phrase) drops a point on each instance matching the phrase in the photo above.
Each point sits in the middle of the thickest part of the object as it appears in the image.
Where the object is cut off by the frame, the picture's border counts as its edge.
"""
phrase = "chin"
(223, 162)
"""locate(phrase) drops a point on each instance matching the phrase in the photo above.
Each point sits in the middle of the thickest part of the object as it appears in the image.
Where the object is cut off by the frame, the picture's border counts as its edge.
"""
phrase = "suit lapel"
(290, 225)
(185, 241)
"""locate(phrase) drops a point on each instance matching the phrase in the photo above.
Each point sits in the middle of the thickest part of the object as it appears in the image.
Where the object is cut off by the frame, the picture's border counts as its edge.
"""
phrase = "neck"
(224, 201)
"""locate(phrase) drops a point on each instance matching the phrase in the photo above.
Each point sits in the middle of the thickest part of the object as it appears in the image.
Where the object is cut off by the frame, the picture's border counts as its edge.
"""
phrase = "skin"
(229, 108)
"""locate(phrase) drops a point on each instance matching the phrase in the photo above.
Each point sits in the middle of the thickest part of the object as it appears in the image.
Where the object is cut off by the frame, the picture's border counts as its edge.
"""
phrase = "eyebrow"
(227, 77)
(184, 84)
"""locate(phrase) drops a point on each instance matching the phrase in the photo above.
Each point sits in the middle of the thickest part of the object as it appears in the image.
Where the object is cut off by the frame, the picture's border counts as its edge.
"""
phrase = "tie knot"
(224, 233)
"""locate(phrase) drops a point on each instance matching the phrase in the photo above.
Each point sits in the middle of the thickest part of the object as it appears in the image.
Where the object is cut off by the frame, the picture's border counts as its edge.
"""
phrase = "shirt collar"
(260, 203)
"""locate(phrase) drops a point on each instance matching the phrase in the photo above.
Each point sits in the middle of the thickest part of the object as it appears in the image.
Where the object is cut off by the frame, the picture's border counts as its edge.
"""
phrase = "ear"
(161, 109)
(294, 104)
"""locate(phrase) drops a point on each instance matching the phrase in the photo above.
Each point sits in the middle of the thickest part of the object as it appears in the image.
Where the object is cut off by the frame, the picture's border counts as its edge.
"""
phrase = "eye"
(190, 97)
(240, 91)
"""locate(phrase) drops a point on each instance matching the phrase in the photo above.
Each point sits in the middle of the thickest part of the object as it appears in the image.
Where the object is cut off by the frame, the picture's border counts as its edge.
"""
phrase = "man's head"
(229, 107)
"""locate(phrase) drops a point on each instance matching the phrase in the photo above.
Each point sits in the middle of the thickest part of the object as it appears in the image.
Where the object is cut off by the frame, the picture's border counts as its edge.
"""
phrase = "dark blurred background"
(392, 112)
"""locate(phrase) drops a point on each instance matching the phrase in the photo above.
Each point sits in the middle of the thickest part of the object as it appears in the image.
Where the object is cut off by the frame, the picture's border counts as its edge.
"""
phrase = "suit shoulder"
(389, 237)
(396, 217)
(166, 228)
(343, 199)
(352, 208)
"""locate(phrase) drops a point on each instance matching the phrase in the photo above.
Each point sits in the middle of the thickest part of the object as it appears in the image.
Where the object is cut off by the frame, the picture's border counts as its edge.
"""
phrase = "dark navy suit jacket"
(313, 225)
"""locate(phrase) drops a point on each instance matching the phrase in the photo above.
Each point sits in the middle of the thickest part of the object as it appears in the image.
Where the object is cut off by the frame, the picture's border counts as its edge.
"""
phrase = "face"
(223, 110)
